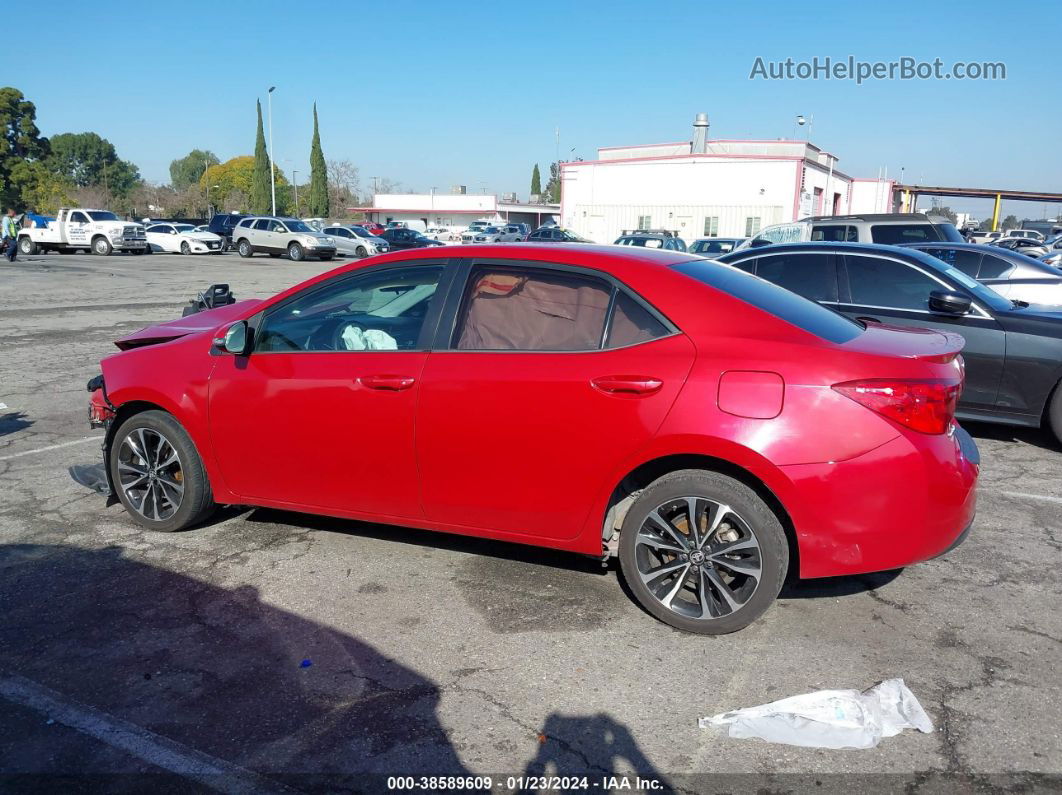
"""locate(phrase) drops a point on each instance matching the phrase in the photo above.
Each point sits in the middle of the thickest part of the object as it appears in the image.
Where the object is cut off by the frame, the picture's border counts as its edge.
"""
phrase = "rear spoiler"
(214, 296)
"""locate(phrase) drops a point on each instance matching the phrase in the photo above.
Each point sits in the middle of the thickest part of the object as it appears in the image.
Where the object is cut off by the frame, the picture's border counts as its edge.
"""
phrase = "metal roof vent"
(700, 135)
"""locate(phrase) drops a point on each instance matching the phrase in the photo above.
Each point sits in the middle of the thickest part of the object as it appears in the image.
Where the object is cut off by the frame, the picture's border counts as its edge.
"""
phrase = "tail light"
(925, 406)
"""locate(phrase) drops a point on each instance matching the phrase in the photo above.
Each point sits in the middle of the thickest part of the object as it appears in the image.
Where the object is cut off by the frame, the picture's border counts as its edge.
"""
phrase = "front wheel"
(27, 246)
(702, 552)
(157, 473)
(245, 249)
(361, 252)
(185, 248)
(295, 253)
(102, 247)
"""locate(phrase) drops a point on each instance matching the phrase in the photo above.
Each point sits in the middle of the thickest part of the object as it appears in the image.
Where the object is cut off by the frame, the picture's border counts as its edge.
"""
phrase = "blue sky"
(435, 94)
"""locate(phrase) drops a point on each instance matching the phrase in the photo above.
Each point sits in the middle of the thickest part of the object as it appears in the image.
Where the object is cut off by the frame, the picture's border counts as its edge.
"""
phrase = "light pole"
(272, 176)
(295, 187)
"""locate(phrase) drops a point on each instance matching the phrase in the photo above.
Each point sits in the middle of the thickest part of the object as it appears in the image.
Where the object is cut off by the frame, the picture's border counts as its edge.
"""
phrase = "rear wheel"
(295, 253)
(158, 474)
(245, 249)
(185, 248)
(1054, 413)
(102, 247)
(27, 246)
(702, 552)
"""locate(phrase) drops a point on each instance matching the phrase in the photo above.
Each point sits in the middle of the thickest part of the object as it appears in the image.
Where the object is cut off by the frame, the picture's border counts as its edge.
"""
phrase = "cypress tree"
(536, 182)
(261, 197)
(318, 204)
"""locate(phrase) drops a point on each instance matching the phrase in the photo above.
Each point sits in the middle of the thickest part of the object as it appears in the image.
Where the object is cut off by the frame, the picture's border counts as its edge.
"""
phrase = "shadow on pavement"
(13, 422)
(1037, 437)
(215, 669)
(607, 745)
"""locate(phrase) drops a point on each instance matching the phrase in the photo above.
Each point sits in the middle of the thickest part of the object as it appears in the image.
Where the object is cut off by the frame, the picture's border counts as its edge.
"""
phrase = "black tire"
(296, 253)
(748, 517)
(1054, 413)
(185, 248)
(101, 246)
(197, 501)
(245, 249)
(26, 246)
(361, 252)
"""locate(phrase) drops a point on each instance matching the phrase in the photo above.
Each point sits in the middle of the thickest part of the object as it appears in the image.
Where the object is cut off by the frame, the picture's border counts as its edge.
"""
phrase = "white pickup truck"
(97, 231)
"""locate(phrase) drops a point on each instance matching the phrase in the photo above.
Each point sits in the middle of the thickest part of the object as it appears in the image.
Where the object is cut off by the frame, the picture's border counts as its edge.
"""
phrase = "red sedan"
(709, 427)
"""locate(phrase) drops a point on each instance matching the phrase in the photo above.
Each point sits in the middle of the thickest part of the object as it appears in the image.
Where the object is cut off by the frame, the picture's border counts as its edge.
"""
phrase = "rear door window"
(889, 284)
(835, 234)
(813, 276)
(517, 309)
(896, 234)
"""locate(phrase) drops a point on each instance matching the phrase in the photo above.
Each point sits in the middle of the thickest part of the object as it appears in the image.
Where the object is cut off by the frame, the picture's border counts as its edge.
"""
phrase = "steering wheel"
(338, 343)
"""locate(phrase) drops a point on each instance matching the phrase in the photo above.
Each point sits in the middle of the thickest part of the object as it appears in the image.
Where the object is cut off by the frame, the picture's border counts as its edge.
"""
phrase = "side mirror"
(949, 302)
(236, 340)
(759, 241)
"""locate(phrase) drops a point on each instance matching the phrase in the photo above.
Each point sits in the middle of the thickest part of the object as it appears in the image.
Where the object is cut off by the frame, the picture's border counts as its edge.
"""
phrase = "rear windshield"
(896, 234)
(762, 294)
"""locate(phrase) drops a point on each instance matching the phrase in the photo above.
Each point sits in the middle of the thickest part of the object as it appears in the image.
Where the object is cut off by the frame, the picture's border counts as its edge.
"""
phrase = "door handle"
(627, 384)
(393, 383)
(867, 319)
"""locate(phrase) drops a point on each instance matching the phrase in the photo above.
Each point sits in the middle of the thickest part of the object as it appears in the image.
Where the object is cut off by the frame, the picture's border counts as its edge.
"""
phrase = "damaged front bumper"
(101, 414)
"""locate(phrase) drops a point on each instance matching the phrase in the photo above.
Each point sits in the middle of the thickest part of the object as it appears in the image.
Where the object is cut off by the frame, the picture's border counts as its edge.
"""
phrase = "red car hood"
(182, 327)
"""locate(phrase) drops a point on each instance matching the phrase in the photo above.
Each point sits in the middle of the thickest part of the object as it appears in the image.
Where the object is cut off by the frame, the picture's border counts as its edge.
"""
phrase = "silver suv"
(894, 229)
(258, 234)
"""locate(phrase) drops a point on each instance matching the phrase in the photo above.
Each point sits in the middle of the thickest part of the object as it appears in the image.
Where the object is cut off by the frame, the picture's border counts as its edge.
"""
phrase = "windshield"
(102, 215)
(298, 226)
(574, 238)
(491, 230)
(644, 242)
(361, 231)
(712, 247)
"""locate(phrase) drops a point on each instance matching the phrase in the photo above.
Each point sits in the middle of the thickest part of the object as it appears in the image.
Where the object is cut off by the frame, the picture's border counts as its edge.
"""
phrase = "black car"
(554, 234)
(222, 224)
(400, 237)
(1013, 354)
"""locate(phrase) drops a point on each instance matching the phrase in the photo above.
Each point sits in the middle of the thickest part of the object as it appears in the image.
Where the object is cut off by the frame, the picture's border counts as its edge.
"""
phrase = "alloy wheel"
(150, 474)
(698, 558)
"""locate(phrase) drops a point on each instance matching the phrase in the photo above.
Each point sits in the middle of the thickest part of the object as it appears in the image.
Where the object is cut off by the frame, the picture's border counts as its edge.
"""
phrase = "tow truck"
(97, 231)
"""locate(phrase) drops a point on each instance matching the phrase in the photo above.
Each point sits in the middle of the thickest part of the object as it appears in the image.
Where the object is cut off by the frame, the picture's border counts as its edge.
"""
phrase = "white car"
(441, 233)
(183, 239)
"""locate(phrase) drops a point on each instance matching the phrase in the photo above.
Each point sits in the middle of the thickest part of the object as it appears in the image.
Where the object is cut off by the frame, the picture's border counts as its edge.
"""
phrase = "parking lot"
(271, 650)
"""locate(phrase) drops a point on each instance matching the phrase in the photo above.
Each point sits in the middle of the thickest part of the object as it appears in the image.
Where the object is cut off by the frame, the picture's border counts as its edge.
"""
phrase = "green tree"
(536, 182)
(317, 206)
(553, 187)
(1010, 222)
(40, 189)
(260, 190)
(189, 169)
(944, 211)
(20, 141)
(87, 159)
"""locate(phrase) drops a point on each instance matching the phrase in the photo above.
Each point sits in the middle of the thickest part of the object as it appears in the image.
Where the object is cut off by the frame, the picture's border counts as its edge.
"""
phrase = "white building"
(708, 188)
(455, 210)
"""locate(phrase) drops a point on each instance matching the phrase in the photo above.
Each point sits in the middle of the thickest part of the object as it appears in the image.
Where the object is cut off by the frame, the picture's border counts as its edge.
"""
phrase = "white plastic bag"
(830, 718)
